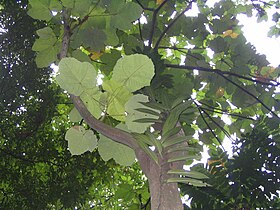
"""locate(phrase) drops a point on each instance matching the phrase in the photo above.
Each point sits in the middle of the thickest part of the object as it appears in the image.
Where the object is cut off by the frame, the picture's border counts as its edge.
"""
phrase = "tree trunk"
(164, 196)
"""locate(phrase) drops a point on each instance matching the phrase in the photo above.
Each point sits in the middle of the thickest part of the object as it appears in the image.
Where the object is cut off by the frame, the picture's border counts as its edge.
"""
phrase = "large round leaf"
(75, 77)
(80, 140)
(134, 71)
(122, 154)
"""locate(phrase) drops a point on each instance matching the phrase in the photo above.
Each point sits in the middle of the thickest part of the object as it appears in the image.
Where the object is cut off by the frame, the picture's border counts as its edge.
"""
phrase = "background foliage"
(37, 170)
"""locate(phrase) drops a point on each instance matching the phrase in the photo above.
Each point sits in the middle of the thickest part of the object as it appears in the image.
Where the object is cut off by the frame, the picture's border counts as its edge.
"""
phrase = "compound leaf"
(132, 107)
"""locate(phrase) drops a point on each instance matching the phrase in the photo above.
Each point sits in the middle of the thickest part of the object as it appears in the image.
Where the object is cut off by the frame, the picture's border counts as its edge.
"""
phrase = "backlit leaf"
(134, 71)
(91, 98)
(75, 116)
(109, 149)
(75, 77)
(118, 96)
(40, 9)
(133, 114)
(80, 140)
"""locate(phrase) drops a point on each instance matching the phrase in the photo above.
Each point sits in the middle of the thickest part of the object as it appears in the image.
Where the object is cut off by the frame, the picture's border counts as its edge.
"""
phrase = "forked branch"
(106, 130)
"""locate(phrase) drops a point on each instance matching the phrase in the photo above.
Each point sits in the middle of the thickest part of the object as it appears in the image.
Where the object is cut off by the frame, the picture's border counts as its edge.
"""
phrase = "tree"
(151, 100)
(249, 180)
(37, 170)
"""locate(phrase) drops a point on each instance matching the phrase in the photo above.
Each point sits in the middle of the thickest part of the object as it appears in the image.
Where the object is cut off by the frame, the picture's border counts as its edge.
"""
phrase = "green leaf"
(154, 105)
(134, 71)
(46, 57)
(112, 38)
(176, 140)
(132, 107)
(75, 77)
(144, 138)
(156, 142)
(40, 9)
(47, 39)
(47, 47)
(68, 3)
(91, 98)
(148, 111)
(125, 15)
(189, 181)
(187, 157)
(170, 133)
(144, 144)
(74, 115)
(125, 192)
(118, 96)
(80, 56)
(109, 60)
(80, 140)
(182, 149)
(174, 115)
(81, 8)
(192, 174)
(109, 149)
(93, 38)
(218, 45)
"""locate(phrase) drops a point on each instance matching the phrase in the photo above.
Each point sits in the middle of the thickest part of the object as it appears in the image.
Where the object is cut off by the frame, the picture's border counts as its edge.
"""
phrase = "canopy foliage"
(166, 75)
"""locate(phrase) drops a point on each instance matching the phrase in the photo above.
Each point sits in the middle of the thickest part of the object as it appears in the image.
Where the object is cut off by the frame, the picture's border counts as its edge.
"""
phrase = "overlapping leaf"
(47, 47)
(75, 77)
(134, 71)
(80, 140)
(132, 109)
(117, 98)
(109, 149)
(91, 99)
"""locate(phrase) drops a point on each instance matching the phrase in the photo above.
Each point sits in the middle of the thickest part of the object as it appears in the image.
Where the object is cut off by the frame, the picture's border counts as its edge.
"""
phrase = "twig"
(172, 23)
(221, 72)
(250, 94)
(217, 124)
(140, 30)
(221, 111)
(154, 22)
(144, 8)
(206, 123)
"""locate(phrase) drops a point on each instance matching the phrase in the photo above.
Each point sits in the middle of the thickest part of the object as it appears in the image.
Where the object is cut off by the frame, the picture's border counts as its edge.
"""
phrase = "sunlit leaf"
(75, 77)
(80, 140)
(134, 71)
(109, 149)
(75, 116)
(132, 107)
(117, 97)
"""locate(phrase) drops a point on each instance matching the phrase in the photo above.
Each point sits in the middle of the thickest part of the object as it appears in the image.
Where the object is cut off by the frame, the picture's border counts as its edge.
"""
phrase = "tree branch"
(220, 72)
(250, 94)
(208, 126)
(223, 73)
(144, 8)
(106, 130)
(172, 23)
(221, 111)
(154, 22)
